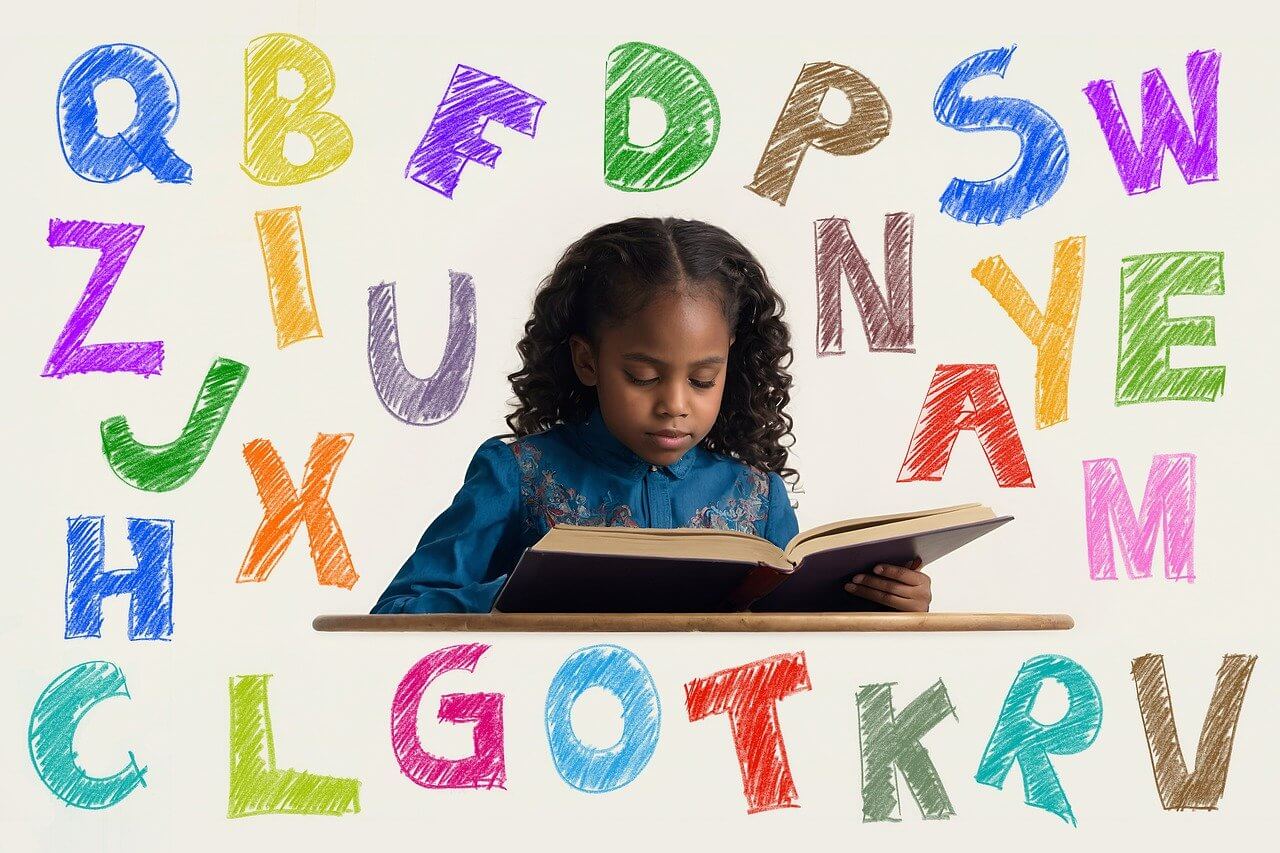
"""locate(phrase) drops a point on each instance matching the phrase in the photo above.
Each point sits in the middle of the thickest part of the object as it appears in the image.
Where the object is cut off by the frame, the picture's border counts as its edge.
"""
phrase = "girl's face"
(660, 375)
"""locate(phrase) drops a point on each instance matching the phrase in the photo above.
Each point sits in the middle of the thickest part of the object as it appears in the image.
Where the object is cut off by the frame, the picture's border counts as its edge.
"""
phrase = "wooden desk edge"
(683, 622)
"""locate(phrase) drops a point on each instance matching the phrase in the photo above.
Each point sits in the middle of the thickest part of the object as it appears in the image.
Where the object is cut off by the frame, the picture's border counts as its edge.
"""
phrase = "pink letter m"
(1170, 497)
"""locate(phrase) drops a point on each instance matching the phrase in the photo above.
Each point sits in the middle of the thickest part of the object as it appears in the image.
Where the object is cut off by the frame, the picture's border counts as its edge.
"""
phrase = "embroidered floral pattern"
(741, 512)
(549, 501)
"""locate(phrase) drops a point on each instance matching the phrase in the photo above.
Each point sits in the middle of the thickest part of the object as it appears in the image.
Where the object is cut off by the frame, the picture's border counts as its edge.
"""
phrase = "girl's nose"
(674, 403)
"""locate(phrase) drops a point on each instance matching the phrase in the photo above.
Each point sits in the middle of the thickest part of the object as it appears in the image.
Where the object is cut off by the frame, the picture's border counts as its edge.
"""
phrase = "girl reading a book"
(652, 393)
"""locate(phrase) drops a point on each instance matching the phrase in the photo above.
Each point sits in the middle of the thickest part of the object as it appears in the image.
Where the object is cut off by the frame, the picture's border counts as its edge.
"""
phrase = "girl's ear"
(584, 360)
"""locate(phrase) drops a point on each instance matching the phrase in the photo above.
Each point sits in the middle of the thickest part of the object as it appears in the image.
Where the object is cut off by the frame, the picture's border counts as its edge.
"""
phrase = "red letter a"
(966, 396)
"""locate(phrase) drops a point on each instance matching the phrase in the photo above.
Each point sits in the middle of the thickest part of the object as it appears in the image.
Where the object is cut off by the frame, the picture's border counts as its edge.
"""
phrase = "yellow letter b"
(270, 115)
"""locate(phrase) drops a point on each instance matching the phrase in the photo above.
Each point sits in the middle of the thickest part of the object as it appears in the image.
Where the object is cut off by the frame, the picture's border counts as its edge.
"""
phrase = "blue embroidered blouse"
(576, 474)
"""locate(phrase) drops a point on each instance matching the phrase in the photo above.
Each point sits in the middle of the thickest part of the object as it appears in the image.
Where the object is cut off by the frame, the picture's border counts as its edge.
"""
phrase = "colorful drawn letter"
(946, 412)
(149, 584)
(749, 695)
(801, 125)
(1041, 166)
(639, 70)
(1018, 736)
(1147, 332)
(1163, 125)
(1169, 501)
(115, 243)
(1053, 331)
(416, 401)
(160, 468)
(52, 731)
(455, 137)
(107, 159)
(621, 673)
(887, 740)
(284, 253)
(257, 786)
(285, 508)
(486, 766)
(887, 323)
(1203, 788)
(269, 116)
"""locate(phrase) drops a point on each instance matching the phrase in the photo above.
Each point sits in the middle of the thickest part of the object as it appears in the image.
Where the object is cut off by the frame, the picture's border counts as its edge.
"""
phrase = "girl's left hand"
(899, 587)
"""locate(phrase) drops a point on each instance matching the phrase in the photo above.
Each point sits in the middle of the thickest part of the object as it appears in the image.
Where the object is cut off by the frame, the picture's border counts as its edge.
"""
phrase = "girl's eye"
(704, 384)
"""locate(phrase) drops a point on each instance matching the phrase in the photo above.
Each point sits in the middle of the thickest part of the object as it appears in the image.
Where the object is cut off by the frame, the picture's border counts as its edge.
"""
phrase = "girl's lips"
(667, 442)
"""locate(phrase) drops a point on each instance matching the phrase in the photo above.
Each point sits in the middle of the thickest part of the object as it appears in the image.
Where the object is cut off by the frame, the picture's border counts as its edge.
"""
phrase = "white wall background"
(196, 281)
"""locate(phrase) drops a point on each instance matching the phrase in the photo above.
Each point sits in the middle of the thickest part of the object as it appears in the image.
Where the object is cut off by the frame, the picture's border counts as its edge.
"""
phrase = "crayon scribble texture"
(269, 117)
(1041, 167)
(1203, 788)
(256, 785)
(472, 100)
(639, 70)
(115, 243)
(1168, 508)
(284, 253)
(801, 125)
(149, 584)
(1019, 737)
(486, 766)
(286, 508)
(141, 145)
(889, 739)
(1052, 331)
(615, 669)
(1195, 150)
(886, 322)
(51, 735)
(749, 695)
(1147, 332)
(161, 468)
(408, 398)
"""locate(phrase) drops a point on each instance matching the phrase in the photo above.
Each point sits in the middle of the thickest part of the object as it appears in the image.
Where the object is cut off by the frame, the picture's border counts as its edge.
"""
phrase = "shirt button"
(653, 467)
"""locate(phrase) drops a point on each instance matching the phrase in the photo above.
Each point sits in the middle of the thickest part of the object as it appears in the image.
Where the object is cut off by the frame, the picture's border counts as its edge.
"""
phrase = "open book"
(696, 570)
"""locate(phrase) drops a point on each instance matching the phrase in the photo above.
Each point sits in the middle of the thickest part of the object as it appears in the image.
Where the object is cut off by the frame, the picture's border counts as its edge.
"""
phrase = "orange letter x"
(285, 509)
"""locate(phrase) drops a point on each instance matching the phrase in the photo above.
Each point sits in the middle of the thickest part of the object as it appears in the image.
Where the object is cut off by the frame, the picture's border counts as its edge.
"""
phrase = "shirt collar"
(612, 453)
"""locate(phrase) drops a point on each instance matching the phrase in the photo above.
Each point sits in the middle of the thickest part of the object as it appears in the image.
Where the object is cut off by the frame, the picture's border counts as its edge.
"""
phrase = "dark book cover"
(817, 585)
(561, 582)
(555, 582)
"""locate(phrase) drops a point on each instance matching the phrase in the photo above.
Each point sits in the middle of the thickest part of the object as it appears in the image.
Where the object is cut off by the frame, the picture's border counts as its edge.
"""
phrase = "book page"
(681, 543)
(869, 521)
(934, 521)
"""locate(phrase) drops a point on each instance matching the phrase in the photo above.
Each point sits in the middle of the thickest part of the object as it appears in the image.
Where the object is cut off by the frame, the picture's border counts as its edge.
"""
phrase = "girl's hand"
(899, 587)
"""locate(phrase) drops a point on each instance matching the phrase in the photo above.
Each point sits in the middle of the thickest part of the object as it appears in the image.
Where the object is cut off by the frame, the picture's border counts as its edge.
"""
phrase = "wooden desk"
(676, 622)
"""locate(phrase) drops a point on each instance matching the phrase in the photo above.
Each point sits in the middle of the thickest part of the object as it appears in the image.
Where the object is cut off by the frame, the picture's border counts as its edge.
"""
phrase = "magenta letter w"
(1163, 126)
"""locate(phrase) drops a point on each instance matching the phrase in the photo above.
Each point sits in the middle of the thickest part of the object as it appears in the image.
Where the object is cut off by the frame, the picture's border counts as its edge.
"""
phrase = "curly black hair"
(614, 271)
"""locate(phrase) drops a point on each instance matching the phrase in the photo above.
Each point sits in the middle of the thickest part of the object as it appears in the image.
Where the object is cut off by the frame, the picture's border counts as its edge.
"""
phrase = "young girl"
(652, 394)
